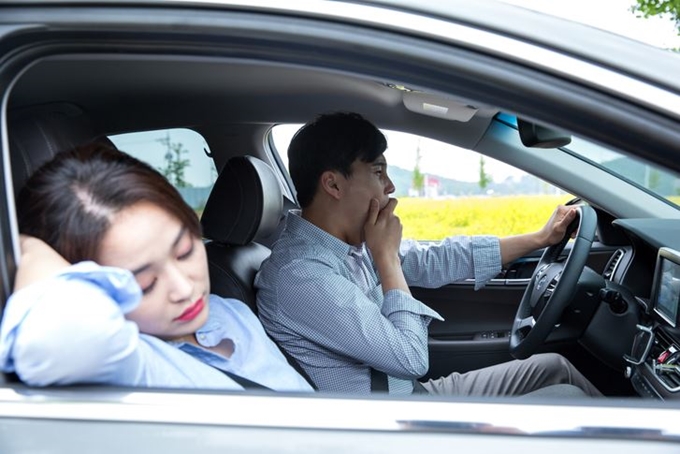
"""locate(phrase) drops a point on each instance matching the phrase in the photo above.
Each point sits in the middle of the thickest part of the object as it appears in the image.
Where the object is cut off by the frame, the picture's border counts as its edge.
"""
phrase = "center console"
(654, 361)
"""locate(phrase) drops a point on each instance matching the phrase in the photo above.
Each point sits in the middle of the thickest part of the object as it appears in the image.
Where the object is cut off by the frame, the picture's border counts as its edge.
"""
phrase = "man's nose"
(389, 188)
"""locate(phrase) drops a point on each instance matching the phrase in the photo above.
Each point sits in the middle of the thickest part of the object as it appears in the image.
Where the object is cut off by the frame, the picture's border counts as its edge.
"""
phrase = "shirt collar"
(214, 329)
(301, 227)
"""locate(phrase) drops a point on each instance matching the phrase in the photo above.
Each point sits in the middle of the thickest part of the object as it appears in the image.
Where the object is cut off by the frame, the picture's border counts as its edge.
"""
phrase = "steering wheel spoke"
(523, 326)
(552, 286)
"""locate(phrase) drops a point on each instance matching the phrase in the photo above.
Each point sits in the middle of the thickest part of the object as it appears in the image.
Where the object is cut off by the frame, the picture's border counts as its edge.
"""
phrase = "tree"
(484, 178)
(175, 165)
(663, 8)
(418, 181)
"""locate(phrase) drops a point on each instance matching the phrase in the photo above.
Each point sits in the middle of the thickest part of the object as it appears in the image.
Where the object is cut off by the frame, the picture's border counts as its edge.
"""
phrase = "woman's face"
(169, 264)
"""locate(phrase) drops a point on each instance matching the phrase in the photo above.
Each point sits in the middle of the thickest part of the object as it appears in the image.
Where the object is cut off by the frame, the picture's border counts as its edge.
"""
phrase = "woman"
(113, 287)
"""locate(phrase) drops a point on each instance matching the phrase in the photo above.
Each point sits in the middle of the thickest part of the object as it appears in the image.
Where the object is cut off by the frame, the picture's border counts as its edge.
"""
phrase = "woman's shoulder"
(219, 304)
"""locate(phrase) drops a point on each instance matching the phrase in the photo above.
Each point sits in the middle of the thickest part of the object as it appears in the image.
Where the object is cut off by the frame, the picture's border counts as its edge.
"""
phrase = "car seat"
(245, 202)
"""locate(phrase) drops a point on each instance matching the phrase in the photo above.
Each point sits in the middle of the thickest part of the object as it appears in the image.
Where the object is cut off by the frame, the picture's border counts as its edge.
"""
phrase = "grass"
(435, 219)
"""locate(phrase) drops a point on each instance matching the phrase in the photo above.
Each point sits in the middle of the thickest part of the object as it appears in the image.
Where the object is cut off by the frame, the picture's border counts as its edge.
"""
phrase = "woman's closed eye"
(149, 287)
(186, 251)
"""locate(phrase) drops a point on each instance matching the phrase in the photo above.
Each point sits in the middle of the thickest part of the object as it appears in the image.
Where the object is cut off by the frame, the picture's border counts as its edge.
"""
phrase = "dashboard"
(653, 364)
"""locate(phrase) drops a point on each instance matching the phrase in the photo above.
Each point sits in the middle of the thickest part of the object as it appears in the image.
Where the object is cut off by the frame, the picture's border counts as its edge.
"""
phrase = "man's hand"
(514, 247)
(382, 233)
(38, 261)
(556, 227)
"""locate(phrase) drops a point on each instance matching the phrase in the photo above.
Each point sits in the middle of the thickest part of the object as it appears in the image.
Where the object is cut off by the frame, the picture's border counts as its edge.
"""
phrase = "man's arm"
(382, 233)
(333, 313)
(478, 257)
(344, 324)
(514, 247)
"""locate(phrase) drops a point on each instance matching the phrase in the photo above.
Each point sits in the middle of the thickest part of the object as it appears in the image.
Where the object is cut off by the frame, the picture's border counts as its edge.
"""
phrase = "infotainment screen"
(666, 290)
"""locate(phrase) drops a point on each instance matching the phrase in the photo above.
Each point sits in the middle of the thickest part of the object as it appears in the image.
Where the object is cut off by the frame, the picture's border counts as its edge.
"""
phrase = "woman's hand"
(38, 261)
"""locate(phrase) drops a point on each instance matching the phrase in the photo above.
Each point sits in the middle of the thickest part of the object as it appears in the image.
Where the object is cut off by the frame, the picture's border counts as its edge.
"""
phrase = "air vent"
(614, 260)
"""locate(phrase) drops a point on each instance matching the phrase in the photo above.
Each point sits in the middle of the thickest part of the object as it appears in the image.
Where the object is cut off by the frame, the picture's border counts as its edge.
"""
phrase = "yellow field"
(428, 219)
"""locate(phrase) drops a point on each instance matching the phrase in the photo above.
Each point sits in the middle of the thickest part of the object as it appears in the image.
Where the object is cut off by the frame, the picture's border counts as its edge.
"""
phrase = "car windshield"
(655, 180)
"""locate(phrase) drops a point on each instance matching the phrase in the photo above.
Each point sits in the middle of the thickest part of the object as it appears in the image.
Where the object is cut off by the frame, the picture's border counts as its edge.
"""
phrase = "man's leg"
(514, 378)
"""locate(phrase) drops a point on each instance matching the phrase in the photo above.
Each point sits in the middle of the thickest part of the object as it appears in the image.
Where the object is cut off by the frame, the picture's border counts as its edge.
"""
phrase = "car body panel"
(628, 102)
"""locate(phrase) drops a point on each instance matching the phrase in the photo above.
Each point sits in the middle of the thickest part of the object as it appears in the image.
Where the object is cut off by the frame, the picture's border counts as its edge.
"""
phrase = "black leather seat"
(245, 203)
(36, 135)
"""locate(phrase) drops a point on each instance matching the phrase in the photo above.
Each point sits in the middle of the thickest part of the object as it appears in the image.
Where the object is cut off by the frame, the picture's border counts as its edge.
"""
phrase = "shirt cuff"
(397, 300)
(486, 258)
(118, 283)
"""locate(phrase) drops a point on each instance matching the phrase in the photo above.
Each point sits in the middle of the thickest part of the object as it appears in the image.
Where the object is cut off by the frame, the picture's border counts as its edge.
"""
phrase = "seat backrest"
(37, 134)
(246, 202)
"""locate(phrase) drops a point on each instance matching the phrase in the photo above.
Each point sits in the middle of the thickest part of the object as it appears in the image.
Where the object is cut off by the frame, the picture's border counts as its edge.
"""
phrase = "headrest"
(245, 202)
(36, 135)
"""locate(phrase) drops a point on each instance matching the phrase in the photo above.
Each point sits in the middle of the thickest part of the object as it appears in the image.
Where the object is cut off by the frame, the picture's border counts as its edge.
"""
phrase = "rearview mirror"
(537, 136)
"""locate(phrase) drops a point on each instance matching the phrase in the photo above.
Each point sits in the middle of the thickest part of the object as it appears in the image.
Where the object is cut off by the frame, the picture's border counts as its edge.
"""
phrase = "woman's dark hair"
(71, 200)
(331, 142)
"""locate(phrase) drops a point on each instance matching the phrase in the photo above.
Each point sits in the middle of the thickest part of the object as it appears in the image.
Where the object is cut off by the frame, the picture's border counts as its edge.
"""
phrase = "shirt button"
(201, 337)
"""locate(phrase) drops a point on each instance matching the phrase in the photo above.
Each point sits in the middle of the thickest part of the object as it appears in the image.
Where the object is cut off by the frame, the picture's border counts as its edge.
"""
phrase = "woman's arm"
(38, 261)
(65, 324)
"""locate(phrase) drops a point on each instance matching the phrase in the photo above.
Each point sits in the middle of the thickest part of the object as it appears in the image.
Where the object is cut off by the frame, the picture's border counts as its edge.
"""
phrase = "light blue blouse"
(71, 329)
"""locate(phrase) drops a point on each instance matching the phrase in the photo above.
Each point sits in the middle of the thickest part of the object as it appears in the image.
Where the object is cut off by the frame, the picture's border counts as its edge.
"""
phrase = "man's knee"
(553, 363)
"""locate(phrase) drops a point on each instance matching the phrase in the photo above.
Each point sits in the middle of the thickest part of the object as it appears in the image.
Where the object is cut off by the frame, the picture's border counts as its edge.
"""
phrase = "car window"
(182, 155)
(662, 183)
(446, 190)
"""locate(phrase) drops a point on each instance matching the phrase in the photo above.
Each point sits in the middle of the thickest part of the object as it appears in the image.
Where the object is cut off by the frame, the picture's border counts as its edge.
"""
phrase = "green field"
(434, 219)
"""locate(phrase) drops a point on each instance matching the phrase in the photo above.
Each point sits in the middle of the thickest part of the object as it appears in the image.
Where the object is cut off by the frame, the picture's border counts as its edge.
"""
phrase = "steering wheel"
(552, 286)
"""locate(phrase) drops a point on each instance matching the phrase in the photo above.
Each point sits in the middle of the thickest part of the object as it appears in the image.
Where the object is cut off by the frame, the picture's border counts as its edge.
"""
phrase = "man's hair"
(71, 200)
(331, 142)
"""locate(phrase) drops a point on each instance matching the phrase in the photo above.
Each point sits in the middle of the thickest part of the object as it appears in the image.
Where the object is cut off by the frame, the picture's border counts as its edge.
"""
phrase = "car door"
(477, 323)
(345, 38)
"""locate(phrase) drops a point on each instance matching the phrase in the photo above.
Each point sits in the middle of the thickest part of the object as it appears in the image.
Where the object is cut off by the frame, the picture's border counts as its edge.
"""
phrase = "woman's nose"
(181, 285)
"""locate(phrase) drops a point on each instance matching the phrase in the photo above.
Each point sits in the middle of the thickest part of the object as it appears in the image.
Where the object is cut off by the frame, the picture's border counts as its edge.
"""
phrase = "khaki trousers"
(514, 378)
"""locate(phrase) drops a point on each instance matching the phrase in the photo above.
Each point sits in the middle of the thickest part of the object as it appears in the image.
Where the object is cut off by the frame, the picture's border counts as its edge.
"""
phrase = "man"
(335, 291)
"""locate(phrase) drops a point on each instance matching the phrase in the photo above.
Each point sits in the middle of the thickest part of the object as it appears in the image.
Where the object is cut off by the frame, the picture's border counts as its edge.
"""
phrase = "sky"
(610, 15)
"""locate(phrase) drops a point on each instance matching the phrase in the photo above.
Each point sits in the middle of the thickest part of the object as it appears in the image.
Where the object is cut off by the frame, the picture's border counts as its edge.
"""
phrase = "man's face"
(368, 181)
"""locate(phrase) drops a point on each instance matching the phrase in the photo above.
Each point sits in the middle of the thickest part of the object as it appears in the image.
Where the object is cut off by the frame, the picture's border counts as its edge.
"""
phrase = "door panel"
(474, 333)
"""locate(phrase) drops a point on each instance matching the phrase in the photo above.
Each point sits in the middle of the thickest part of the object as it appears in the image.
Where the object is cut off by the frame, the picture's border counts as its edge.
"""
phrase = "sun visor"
(436, 106)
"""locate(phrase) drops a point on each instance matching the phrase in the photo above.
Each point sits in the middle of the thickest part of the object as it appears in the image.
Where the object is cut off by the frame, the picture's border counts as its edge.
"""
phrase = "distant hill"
(526, 185)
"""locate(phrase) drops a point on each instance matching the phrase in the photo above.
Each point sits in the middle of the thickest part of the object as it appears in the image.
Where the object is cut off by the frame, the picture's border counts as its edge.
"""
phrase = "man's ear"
(330, 183)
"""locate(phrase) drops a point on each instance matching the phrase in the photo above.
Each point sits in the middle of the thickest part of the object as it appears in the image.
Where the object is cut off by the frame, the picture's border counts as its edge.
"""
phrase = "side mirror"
(537, 136)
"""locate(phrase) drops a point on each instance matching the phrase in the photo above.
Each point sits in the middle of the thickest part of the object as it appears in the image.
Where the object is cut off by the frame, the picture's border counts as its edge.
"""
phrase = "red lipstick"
(192, 311)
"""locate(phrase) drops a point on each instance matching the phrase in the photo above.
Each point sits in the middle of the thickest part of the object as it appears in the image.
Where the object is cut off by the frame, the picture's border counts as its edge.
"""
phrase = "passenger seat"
(245, 203)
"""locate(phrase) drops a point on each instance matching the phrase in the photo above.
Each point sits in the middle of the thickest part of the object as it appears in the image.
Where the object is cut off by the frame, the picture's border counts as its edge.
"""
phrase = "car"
(595, 115)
